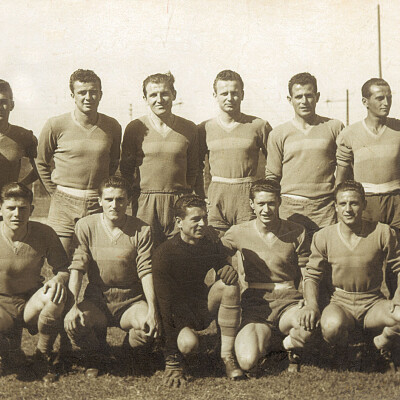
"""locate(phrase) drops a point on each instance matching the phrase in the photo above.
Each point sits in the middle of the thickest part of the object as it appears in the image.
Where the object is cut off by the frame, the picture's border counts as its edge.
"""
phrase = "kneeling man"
(24, 300)
(353, 251)
(186, 304)
(273, 251)
(115, 251)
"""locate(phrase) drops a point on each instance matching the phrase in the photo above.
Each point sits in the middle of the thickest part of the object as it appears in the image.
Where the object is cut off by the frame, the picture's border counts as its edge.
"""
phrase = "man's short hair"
(5, 87)
(265, 185)
(303, 78)
(116, 182)
(227, 75)
(350, 185)
(167, 78)
(188, 201)
(83, 75)
(15, 190)
(366, 88)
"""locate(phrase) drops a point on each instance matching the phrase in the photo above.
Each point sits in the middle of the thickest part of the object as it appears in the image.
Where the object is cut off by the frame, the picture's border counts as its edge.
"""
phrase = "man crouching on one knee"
(273, 251)
(186, 304)
(353, 251)
(24, 246)
(115, 251)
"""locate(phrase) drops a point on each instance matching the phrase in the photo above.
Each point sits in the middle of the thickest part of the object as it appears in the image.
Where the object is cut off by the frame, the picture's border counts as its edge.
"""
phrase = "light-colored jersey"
(233, 153)
(119, 259)
(376, 157)
(82, 157)
(358, 268)
(15, 143)
(157, 162)
(269, 261)
(21, 262)
(304, 161)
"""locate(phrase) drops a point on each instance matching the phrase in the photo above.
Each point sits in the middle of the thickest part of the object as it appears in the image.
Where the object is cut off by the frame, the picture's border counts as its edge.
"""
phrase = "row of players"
(128, 282)
(163, 155)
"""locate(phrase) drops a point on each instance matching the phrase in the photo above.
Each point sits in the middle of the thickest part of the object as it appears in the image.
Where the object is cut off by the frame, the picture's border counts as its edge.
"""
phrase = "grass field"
(315, 381)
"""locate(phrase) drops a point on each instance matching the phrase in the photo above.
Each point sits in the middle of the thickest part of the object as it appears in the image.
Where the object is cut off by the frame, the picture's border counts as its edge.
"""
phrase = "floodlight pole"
(379, 41)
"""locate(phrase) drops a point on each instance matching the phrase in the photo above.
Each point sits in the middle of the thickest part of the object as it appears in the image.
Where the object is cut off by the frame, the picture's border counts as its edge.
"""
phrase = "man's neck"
(167, 119)
(118, 224)
(14, 235)
(4, 126)
(375, 123)
(349, 231)
(305, 123)
(230, 118)
(272, 227)
(86, 120)
(188, 240)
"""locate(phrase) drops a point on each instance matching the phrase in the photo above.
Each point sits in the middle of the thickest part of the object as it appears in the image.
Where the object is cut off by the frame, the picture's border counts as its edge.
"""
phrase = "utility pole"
(327, 101)
(130, 111)
(379, 42)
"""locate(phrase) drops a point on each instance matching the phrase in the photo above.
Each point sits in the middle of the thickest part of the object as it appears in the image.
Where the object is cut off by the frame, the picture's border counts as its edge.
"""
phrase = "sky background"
(266, 41)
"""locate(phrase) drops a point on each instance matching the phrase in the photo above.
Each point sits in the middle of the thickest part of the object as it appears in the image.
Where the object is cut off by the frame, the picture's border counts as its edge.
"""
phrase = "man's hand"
(74, 319)
(57, 290)
(228, 275)
(152, 324)
(309, 317)
(173, 375)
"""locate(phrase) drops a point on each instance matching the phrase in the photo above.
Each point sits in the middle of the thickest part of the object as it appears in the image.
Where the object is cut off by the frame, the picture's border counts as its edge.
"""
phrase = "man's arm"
(46, 148)
(344, 157)
(265, 131)
(127, 165)
(200, 180)
(115, 149)
(192, 160)
(273, 168)
(31, 153)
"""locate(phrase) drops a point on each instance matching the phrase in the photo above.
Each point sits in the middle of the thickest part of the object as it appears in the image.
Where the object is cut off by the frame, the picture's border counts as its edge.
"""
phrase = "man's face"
(16, 212)
(304, 100)
(349, 207)
(380, 101)
(266, 207)
(159, 97)
(87, 96)
(194, 225)
(114, 202)
(6, 106)
(229, 95)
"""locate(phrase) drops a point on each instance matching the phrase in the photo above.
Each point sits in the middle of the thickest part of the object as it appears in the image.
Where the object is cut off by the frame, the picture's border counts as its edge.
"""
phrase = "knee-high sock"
(296, 339)
(48, 328)
(228, 321)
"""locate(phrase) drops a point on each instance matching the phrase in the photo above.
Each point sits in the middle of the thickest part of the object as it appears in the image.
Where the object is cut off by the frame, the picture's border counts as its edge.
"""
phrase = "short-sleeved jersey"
(21, 262)
(15, 143)
(113, 260)
(358, 268)
(376, 157)
(82, 157)
(160, 163)
(233, 153)
(304, 161)
(179, 270)
(269, 261)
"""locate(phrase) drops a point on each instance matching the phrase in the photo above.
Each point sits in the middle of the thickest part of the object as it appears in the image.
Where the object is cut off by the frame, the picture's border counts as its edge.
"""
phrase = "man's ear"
(100, 202)
(289, 99)
(12, 105)
(364, 101)
(178, 221)
(32, 208)
(251, 203)
(317, 97)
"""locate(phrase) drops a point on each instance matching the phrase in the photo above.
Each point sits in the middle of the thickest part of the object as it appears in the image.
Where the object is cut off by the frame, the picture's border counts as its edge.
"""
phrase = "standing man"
(301, 156)
(186, 303)
(159, 156)
(232, 141)
(24, 300)
(15, 142)
(85, 147)
(273, 251)
(353, 252)
(115, 251)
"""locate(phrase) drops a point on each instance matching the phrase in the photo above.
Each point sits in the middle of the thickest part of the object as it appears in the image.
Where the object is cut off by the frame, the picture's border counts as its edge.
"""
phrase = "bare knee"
(334, 331)
(188, 341)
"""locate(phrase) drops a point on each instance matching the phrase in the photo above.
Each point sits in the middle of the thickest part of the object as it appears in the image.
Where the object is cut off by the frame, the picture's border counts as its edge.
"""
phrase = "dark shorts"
(357, 304)
(113, 302)
(65, 210)
(14, 306)
(229, 204)
(383, 208)
(157, 210)
(267, 306)
(313, 214)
